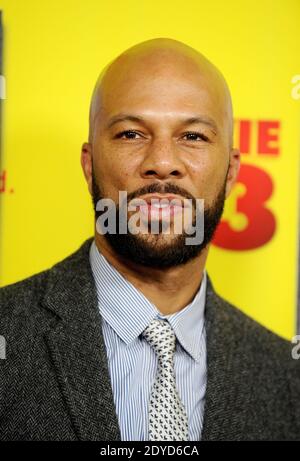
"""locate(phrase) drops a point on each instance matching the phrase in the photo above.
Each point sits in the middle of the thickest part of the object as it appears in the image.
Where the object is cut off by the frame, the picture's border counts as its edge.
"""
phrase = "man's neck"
(170, 290)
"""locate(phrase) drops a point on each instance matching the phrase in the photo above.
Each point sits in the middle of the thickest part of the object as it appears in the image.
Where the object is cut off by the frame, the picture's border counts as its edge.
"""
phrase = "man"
(126, 339)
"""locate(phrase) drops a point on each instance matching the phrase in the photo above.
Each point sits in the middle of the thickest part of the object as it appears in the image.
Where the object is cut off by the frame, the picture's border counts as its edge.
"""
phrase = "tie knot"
(161, 337)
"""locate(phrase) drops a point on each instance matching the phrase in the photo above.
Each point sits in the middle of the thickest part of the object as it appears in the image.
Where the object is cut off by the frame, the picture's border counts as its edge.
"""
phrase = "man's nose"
(162, 161)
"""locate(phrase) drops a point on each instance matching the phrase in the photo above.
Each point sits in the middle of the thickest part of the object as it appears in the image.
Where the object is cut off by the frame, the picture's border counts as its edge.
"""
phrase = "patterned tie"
(167, 416)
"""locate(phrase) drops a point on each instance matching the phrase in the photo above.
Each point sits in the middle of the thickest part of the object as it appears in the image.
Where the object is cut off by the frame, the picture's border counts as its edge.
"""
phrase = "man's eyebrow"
(123, 118)
(202, 119)
(188, 121)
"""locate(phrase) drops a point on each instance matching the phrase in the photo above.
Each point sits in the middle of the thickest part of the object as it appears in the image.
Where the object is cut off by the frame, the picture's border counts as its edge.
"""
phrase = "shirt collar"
(129, 312)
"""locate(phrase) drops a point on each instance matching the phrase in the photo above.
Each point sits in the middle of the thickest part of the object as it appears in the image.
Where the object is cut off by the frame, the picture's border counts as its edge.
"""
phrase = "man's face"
(161, 133)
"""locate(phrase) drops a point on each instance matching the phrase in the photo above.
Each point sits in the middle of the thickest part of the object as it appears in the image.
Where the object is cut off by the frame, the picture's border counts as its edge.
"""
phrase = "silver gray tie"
(167, 416)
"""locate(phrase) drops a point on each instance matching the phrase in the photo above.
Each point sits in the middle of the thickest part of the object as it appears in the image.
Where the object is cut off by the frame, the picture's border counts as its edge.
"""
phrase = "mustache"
(156, 188)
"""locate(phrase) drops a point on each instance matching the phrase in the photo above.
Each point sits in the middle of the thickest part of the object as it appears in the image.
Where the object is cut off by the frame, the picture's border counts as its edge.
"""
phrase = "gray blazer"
(55, 384)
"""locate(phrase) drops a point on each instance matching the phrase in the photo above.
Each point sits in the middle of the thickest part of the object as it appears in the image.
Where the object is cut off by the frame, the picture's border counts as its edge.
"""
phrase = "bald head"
(161, 60)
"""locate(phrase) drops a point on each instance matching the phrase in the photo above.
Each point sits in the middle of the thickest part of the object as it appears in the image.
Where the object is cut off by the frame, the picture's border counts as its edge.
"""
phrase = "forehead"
(161, 91)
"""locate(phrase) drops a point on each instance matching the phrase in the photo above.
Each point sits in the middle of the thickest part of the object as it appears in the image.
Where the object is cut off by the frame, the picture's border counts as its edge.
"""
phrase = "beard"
(161, 251)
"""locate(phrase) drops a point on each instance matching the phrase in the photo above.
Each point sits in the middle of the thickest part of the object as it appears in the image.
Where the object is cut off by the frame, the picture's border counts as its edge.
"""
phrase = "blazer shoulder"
(26, 295)
(267, 352)
(23, 293)
(246, 329)
(260, 336)
(21, 314)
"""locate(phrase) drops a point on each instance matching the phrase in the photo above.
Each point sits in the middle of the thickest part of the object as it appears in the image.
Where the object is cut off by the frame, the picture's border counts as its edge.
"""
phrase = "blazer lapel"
(228, 394)
(78, 350)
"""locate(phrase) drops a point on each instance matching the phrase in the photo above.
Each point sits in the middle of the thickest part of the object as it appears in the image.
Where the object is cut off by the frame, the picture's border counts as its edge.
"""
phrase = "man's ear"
(87, 163)
(233, 170)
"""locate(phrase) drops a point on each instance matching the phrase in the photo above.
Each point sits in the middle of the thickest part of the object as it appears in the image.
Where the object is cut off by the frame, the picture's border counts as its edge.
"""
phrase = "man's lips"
(156, 198)
(157, 206)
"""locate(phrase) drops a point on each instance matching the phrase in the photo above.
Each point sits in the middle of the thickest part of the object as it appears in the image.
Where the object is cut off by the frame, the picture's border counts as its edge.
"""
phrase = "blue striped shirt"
(132, 363)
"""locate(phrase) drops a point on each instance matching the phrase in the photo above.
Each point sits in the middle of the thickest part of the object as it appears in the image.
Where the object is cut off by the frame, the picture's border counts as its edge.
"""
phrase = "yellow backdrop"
(54, 50)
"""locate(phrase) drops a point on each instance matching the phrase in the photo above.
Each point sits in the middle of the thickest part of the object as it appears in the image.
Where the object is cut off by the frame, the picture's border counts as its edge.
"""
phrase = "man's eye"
(128, 134)
(194, 136)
